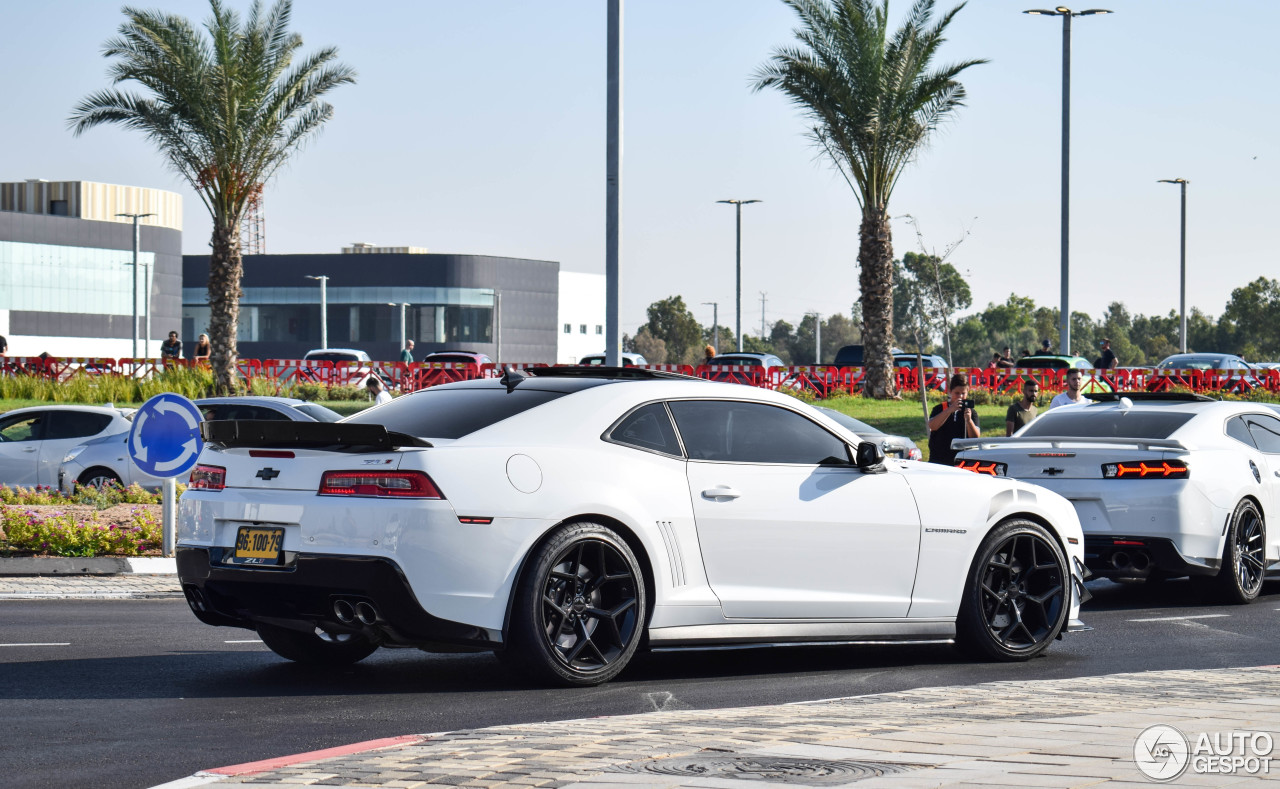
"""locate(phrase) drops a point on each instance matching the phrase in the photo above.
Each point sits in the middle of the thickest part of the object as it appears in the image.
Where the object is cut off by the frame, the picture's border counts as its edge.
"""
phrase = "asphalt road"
(134, 693)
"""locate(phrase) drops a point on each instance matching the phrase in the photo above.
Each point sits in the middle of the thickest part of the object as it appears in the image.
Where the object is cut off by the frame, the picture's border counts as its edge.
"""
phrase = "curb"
(97, 565)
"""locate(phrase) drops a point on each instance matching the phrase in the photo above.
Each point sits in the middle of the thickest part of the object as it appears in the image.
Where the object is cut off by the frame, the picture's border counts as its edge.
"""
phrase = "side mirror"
(869, 458)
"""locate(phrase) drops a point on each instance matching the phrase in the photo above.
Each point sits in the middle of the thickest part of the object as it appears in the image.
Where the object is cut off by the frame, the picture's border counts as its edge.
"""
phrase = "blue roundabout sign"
(165, 438)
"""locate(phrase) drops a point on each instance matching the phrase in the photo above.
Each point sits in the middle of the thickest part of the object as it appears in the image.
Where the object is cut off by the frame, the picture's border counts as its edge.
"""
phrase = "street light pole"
(1064, 317)
(817, 333)
(1182, 182)
(738, 204)
(613, 183)
(715, 324)
(324, 308)
(403, 335)
(137, 242)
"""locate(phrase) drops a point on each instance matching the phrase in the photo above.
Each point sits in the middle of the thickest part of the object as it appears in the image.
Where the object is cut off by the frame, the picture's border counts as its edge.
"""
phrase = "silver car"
(105, 460)
(34, 440)
(893, 446)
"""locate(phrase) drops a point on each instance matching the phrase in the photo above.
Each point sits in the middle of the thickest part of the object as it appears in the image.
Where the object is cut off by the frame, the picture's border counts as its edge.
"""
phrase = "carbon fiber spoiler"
(1059, 442)
(262, 433)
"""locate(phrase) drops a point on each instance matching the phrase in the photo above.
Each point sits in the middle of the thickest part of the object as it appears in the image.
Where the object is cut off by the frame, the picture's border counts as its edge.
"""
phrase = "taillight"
(207, 478)
(981, 467)
(1142, 469)
(379, 484)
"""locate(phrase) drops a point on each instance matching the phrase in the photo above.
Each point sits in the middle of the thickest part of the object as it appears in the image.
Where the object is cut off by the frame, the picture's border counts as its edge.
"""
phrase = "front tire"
(579, 609)
(314, 649)
(1017, 597)
(101, 478)
(1244, 558)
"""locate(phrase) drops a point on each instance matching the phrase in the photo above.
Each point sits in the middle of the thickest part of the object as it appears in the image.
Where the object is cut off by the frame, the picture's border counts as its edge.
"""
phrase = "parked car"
(340, 356)
(627, 359)
(1092, 382)
(1165, 484)
(457, 357)
(34, 440)
(740, 367)
(565, 518)
(1243, 376)
(935, 366)
(851, 355)
(105, 460)
(899, 447)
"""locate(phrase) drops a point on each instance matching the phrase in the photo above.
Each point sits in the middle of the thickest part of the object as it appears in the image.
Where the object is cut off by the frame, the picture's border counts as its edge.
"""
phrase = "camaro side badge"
(946, 531)
(267, 474)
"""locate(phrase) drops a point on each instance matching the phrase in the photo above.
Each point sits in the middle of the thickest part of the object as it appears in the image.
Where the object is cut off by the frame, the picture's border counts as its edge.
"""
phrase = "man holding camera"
(956, 418)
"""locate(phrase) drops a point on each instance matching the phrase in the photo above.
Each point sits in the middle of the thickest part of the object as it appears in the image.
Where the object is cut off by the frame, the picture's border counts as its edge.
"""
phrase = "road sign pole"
(169, 505)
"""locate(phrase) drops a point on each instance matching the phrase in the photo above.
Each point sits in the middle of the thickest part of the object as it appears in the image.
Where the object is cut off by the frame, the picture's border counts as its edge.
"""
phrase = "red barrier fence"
(820, 380)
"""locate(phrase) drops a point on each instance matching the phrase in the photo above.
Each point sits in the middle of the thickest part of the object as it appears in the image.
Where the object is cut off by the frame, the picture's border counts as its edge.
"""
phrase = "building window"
(58, 207)
(599, 329)
(582, 329)
(568, 328)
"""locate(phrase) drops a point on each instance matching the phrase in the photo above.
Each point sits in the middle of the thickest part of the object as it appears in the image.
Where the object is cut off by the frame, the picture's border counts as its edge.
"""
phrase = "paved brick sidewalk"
(92, 587)
(1063, 733)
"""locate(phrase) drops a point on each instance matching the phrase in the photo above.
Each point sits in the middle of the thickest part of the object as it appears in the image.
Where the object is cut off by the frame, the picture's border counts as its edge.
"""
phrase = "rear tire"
(1243, 557)
(1018, 594)
(315, 650)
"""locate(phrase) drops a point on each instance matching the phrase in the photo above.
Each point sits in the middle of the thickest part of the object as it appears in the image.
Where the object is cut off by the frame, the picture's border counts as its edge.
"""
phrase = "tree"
(872, 101)
(226, 109)
(927, 292)
(1249, 323)
(672, 322)
(652, 348)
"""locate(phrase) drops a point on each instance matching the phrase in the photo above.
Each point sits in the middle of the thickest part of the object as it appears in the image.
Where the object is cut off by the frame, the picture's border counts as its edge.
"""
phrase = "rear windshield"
(318, 412)
(1087, 423)
(745, 361)
(1193, 364)
(333, 357)
(452, 413)
(1042, 363)
(442, 358)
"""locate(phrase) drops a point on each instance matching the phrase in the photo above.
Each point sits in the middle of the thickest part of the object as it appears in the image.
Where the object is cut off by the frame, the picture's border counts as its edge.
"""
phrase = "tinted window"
(452, 413)
(76, 424)
(1237, 429)
(746, 361)
(1266, 432)
(1086, 423)
(26, 427)
(1041, 363)
(336, 357)
(753, 433)
(647, 427)
(318, 412)
(449, 358)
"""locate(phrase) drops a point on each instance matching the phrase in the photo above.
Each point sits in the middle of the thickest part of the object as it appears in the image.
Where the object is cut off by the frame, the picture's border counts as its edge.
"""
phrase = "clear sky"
(478, 127)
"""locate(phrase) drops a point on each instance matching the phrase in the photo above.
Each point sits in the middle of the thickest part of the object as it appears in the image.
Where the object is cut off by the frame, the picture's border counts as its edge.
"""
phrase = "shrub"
(60, 534)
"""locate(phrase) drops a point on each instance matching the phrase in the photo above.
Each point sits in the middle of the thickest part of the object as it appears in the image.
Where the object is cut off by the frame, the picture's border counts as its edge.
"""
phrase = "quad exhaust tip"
(366, 613)
(348, 612)
(345, 612)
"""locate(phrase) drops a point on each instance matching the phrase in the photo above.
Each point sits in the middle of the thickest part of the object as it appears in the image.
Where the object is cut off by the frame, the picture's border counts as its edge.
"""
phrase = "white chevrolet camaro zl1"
(564, 518)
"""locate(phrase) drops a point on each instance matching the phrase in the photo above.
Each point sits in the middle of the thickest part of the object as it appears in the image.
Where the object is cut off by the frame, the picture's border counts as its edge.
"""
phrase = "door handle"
(721, 492)
(30, 449)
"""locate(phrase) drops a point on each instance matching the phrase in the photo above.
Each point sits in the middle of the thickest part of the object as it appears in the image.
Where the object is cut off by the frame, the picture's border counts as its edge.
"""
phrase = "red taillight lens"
(207, 478)
(983, 467)
(1144, 469)
(379, 484)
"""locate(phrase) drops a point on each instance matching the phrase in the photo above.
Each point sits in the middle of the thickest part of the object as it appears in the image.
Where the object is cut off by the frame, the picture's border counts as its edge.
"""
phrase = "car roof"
(1201, 356)
(92, 409)
(352, 351)
(249, 400)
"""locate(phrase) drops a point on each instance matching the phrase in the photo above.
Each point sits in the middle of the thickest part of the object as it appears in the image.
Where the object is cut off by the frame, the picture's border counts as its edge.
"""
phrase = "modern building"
(67, 274)
(511, 309)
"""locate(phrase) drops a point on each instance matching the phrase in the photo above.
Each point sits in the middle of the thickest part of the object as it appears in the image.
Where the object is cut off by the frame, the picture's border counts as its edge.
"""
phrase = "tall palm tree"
(226, 108)
(872, 101)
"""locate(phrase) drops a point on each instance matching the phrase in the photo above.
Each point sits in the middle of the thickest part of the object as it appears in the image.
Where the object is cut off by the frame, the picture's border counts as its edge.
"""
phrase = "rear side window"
(1085, 423)
(648, 427)
(1265, 431)
(76, 424)
(452, 413)
(1237, 429)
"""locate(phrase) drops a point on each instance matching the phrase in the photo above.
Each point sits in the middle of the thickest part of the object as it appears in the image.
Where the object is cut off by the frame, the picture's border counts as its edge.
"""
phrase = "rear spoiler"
(1059, 442)
(313, 435)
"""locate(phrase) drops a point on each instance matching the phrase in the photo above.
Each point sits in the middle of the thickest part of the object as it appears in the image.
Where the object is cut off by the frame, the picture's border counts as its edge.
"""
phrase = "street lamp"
(738, 204)
(1182, 182)
(137, 241)
(1064, 318)
(715, 324)
(403, 336)
(817, 333)
(324, 307)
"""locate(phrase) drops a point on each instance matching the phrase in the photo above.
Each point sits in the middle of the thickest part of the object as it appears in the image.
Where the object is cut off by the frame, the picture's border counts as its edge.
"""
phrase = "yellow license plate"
(259, 543)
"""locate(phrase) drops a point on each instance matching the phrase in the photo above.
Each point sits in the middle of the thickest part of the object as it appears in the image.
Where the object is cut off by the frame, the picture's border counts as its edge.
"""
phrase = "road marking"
(1180, 618)
(52, 644)
(249, 641)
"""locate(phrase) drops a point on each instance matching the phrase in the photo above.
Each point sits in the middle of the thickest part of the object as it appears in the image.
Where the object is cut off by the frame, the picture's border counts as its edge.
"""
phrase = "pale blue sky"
(478, 127)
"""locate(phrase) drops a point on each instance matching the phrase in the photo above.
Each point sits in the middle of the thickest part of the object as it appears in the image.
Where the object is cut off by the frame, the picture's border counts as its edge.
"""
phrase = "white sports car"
(1165, 485)
(565, 518)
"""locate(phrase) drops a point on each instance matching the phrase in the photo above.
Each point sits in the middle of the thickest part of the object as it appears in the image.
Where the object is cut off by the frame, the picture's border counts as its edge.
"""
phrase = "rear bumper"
(302, 595)
(1138, 557)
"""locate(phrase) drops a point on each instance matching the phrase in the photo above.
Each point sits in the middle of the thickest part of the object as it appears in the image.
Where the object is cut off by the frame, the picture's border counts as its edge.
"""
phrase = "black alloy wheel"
(1018, 594)
(317, 648)
(580, 608)
(100, 478)
(1244, 558)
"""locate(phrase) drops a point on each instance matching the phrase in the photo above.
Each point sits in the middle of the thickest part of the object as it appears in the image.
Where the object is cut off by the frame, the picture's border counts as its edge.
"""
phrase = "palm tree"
(226, 108)
(872, 102)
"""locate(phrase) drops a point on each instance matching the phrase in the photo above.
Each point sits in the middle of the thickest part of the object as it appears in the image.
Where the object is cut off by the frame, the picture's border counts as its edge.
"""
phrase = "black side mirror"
(869, 458)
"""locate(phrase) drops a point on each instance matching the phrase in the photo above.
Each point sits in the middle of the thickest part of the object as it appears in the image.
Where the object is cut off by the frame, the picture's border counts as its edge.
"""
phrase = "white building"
(581, 316)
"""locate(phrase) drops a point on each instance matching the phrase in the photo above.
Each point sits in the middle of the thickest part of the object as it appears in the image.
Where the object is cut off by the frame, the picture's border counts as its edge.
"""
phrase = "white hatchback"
(34, 440)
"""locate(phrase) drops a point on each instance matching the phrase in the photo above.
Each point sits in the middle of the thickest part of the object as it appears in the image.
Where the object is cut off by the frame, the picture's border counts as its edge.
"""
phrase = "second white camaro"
(566, 518)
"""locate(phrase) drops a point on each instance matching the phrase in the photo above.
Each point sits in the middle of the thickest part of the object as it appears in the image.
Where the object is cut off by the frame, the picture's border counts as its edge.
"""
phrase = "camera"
(968, 404)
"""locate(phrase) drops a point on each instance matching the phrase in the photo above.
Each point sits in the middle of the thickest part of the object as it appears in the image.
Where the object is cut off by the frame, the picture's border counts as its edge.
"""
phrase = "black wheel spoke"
(1023, 587)
(1040, 599)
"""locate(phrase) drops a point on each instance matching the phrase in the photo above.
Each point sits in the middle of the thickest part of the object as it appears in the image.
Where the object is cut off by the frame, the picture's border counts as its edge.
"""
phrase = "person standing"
(406, 355)
(1073, 395)
(172, 347)
(1006, 359)
(203, 350)
(953, 419)
(4, 346)
(1045, 350)
(1108, 360)
(377, 391)
(1022, 412)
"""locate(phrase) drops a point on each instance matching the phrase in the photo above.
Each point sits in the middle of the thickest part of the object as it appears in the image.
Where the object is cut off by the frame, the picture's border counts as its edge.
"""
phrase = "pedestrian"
(1022, 412)
(708, 353)
(203, 350)
(406, 355)
(995, 361)
(1108, 359)
(1045, 349)
(953, 419)
(1006, 359)
(172, 347)
(377, 391)
(1073, 395)
(1024, 353)
(4, 345)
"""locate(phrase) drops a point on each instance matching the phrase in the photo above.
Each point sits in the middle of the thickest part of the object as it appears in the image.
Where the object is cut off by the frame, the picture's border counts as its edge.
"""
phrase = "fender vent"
(674, 556)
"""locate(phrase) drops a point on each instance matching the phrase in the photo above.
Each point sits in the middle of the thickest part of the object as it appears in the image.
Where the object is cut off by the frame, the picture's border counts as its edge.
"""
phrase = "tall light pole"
(324, 307)
(1064, 318)
(1182, 182)
(403, 305)
(137, 242)
(817, 334)
(715, 324)
(612, 183)
(738, 204)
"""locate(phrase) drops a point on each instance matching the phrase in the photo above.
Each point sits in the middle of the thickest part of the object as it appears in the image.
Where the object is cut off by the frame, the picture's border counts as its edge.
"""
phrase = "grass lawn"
(906, 417)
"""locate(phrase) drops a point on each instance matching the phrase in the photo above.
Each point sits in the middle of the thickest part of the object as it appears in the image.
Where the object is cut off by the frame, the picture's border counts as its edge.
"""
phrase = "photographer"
(955, 418)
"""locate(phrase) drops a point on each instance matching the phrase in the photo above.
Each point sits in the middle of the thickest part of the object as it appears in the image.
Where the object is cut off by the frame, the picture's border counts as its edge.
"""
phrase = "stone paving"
(90, 587)
(1061, 733)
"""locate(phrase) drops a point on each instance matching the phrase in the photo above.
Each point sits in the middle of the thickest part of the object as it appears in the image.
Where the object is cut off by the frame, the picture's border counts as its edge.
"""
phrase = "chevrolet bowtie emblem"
(1052, 471)
(267, 474)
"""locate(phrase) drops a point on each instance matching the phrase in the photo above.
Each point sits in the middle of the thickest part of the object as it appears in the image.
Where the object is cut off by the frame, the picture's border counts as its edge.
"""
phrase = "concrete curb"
(97, 565)
(249, 768)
